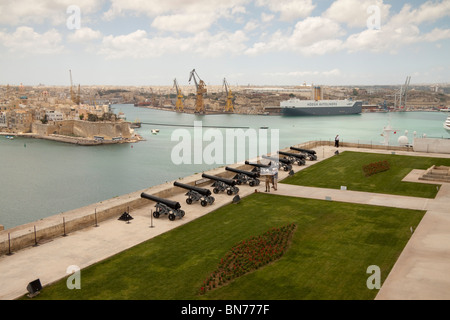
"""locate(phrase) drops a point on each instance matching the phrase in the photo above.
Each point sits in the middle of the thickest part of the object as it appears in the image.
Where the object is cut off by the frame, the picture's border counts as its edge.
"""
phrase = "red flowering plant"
(249, 255)
(375, 167)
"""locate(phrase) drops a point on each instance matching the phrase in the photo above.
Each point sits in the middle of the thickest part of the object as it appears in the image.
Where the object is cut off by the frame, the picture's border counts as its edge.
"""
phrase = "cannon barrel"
(303, 150)
(202, 191)
(258, 165)
(172, 204)
(254, 175)
(275, 159)
(229, 182)
(295, 155)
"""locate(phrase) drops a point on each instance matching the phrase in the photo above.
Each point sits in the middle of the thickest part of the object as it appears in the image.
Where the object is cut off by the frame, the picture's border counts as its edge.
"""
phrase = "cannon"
(222, 184)
(294, 157)
(245, 176)
(284, 164)
(196, 194)
(164, 206)
(310, 153)
(257, 166)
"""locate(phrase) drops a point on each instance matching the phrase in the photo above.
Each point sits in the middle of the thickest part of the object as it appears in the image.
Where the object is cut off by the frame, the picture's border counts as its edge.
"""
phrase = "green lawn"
(328, 258)
(345, 169)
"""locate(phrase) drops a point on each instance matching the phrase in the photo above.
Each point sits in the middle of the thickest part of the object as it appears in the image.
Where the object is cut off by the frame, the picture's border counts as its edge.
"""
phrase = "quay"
(93, 233)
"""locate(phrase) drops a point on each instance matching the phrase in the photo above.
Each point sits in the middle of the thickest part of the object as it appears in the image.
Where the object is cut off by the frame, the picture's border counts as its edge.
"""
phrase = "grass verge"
(345, 169)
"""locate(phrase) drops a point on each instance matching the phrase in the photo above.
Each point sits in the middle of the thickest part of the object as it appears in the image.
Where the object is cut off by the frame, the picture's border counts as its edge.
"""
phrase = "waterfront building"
(3, 120)
(20, 120)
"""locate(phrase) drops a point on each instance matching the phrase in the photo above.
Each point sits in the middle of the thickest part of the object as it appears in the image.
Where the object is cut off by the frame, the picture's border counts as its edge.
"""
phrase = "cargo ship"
(319, 107)
(297, 107)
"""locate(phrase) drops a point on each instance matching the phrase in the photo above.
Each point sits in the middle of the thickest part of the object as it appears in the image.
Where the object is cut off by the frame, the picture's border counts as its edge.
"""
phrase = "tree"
(92, 117)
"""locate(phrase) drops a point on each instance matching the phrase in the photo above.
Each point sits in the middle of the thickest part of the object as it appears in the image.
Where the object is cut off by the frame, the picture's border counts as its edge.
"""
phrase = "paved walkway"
(421, 272)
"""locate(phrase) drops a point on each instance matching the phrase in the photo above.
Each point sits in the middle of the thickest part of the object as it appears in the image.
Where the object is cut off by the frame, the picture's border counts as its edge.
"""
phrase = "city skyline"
(255, 42)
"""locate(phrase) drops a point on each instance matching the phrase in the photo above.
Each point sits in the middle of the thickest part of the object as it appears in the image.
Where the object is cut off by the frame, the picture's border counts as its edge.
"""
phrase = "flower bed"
(249, 255)
(375, 167)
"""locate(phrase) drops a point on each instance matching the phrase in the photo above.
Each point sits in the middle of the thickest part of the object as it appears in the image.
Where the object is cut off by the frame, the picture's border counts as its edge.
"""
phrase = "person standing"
(336, 141)
(274, 178)
(267, 183)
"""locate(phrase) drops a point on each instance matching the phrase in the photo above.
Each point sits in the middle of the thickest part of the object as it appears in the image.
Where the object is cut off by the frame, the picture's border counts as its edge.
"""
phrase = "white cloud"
(289, 9)
(191, 23)
(84, 35)
(402, 29)
(267, 17)
(314, 35)
(427, 12)
(54, 11)
(139, 45)
(354, 13)
(25, 41)
(251, 25)
(179, 15)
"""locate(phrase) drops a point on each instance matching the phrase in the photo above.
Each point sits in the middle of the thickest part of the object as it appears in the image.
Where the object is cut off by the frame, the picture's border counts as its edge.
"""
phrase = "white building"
(54, 115)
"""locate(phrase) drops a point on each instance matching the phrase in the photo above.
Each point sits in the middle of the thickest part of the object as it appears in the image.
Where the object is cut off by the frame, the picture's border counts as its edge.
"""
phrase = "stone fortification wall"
(84, 129)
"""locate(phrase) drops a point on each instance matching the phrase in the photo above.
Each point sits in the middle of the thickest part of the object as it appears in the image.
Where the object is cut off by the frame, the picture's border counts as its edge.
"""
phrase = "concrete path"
(421, 272)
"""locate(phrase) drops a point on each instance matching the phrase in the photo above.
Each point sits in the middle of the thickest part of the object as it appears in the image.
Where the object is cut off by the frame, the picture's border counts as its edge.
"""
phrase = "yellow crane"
(229, 107)
(179, 104)
(201, 89)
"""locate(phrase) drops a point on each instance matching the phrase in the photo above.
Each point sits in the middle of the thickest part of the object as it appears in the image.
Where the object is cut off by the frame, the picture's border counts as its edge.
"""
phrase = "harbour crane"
(179, 104)
(201, 89)
(404, 93)
(229, 107)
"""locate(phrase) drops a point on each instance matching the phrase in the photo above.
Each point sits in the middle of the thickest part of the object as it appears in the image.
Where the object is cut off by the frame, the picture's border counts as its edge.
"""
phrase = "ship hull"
(356, 108)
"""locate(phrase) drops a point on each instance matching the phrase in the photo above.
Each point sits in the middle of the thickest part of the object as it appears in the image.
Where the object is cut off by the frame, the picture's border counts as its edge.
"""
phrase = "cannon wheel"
(189, 201)
(211, 200)
(216, 190)
(229, 192)
(251, 184)
(156, 214)
(204, 203)
(172, 217)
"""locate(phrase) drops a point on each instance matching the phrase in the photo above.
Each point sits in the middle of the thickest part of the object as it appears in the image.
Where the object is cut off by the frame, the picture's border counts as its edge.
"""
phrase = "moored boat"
(447, 124)
(297, 107)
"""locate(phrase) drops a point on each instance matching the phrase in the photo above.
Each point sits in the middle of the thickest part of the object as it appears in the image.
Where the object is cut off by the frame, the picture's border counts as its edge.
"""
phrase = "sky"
(247, 42)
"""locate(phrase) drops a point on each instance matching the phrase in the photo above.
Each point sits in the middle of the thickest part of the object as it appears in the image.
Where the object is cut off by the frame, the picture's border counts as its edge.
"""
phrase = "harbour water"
(41, 178)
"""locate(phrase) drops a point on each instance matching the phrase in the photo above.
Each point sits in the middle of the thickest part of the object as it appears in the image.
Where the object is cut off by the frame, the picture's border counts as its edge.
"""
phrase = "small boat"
(136, 124)
(10, 137)
(264, 127)
(155, 131)
(447, 124)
